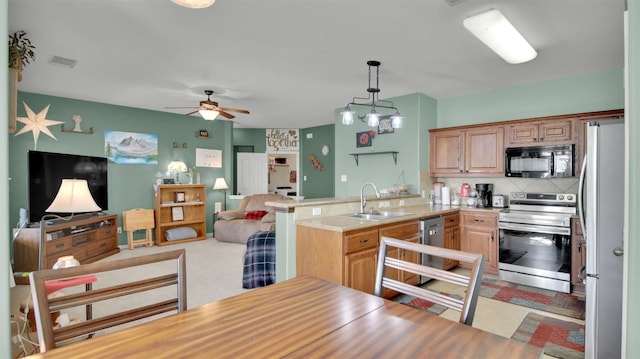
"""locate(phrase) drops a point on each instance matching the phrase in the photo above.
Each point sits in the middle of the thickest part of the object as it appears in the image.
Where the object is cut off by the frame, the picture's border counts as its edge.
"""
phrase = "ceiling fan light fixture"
(194, 4)
(209, 115)
(495, 31)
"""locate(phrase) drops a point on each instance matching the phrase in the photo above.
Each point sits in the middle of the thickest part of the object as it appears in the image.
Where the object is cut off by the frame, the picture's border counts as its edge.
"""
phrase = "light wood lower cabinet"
(350, 258)
(480, 235)
(451, 237)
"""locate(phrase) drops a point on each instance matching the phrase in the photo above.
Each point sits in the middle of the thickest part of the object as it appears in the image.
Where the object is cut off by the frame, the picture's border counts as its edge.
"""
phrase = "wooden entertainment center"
(88, 238)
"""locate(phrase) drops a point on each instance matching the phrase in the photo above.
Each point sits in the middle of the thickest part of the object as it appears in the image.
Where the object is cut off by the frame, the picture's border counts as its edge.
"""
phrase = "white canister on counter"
(446, 196)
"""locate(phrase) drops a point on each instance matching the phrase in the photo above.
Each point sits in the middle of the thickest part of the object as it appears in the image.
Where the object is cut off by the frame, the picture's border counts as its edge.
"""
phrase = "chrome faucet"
(363, 201)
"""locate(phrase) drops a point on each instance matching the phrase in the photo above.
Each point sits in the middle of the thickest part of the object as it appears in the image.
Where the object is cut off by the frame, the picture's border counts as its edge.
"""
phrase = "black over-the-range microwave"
(539, 161)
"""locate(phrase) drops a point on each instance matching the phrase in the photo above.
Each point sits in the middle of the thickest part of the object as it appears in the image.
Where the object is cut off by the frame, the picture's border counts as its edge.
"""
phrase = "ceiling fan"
(209, 109)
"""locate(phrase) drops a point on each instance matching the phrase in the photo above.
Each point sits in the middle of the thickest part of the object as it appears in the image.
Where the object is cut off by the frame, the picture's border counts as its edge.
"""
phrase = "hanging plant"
(21, 51)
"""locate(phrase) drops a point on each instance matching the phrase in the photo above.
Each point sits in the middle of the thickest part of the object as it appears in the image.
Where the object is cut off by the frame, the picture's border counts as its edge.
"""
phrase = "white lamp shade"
(220, 184)
(73, 197)
(194, 4)
(347, 116)
(209, 115)
(373, 119)
(495, 31)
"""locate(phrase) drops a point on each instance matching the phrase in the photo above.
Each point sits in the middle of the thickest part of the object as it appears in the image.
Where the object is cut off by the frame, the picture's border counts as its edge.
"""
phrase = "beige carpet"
(214, 272)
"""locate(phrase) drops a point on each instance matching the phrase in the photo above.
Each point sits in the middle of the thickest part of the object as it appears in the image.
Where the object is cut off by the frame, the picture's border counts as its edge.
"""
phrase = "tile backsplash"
(505, 185)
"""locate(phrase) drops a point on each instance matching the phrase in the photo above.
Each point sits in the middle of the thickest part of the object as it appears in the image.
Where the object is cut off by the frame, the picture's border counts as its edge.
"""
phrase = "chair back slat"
(466, 306)
(170, 300)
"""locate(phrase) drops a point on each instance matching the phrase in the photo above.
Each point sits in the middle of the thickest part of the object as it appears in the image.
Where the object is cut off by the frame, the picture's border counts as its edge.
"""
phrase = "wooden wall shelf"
(90, 132)
(393, 153)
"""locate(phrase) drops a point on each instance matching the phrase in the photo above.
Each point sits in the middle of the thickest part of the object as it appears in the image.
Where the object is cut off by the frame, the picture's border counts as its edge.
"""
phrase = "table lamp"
(177, 167)
(72, 197)
(220, 184)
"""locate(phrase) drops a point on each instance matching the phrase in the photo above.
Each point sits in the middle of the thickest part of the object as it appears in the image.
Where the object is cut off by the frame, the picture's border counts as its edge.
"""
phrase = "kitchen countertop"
(331, 200)
(343, 223)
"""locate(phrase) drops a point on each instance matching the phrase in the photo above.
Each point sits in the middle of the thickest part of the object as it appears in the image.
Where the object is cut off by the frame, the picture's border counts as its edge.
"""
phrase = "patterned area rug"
(557, 338)
(546, 300)
(550, 301)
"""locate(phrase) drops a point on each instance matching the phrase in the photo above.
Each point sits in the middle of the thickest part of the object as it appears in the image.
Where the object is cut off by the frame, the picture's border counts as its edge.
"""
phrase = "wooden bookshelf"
(180, 205)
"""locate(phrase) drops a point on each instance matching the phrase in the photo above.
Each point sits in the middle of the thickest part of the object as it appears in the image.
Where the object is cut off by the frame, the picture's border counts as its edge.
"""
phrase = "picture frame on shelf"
(179, 197)
(177, 214)
(384, 126)
(168, 181)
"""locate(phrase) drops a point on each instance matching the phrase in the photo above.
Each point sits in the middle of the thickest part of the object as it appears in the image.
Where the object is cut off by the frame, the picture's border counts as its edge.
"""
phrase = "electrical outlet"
(343, 178)
(384, 204)
(316, 211)
(401, 202)
(119, 230)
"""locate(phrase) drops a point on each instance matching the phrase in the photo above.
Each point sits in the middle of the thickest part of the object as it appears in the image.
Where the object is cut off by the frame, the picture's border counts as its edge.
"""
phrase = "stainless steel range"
(535, 240)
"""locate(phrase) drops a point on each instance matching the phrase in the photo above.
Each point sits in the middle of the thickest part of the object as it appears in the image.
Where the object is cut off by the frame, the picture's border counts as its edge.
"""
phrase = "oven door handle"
(533, 228)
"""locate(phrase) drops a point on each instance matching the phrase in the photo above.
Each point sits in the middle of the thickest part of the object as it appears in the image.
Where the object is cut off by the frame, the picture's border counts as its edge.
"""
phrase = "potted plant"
(21, 53)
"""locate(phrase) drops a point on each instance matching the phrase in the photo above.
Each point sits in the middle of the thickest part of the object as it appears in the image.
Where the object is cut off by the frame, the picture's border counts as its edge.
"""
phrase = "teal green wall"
(419, 115)
(130, 186)
(255, 137)
(594, 92)
(318, 183)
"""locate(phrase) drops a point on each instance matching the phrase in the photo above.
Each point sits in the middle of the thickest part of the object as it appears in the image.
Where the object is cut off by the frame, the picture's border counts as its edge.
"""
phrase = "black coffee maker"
(484, 191)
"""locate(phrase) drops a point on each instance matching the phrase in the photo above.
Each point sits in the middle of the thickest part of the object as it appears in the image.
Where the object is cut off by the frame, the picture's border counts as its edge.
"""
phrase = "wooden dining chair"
(466, 306)
(117, 297)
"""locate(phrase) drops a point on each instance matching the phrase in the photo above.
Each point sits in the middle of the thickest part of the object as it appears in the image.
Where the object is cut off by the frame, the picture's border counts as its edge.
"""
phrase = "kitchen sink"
(376, 216)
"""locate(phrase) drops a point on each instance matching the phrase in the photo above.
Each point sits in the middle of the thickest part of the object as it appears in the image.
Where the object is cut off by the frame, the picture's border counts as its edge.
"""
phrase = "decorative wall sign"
(208, 158)
(316, 162)
(131, 148)
(385, 126)
(365, 138)
(279, 139)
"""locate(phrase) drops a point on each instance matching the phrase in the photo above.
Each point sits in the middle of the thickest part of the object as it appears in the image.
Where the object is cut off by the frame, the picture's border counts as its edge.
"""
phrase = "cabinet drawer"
(480, 219)
(361, 240)
(100, 246)
(59, 245)
(401, 231)
(452, 220)
(107, 232)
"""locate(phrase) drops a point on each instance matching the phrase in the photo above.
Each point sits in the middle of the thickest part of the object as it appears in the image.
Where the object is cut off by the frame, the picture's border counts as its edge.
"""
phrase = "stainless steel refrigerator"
(602, 217)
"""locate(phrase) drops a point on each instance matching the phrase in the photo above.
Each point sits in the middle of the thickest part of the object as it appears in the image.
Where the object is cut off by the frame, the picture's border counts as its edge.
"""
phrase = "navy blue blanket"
(260, 260)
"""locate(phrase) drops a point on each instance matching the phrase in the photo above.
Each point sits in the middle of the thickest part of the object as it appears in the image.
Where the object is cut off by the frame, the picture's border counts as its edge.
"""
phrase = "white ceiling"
(292, 62)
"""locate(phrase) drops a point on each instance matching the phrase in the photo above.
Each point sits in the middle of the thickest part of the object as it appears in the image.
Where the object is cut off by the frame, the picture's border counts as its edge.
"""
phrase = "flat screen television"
(46, 171)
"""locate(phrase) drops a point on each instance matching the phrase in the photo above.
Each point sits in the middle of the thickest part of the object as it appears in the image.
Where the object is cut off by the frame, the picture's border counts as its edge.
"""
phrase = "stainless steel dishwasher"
(432, 233)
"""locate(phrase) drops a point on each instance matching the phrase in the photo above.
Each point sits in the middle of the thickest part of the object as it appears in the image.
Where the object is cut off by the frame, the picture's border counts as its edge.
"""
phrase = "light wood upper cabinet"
(534, 133)
(477, 151)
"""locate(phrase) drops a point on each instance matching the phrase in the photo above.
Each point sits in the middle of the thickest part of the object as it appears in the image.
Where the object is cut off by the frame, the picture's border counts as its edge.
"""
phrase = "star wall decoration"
(37, 123)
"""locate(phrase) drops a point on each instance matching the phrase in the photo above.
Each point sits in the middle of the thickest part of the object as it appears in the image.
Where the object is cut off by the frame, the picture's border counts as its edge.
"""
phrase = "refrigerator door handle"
(580, 203)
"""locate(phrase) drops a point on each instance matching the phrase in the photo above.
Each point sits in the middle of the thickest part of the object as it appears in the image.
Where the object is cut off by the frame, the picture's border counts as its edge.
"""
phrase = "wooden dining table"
(303, 317)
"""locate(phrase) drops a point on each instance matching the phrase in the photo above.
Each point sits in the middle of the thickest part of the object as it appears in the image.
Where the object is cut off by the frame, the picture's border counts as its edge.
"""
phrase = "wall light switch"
(343, 178)
(309, 135)
(304, 178)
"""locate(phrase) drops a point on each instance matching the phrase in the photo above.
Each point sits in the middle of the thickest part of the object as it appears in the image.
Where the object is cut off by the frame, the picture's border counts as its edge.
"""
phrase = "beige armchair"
(251, 216)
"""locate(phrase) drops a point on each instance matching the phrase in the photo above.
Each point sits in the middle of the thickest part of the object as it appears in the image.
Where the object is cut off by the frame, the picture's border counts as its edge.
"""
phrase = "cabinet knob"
(365, 240)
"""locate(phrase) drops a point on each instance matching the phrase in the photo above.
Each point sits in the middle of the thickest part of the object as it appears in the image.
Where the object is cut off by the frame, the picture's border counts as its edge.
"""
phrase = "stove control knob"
(560, 197)
(569, 198)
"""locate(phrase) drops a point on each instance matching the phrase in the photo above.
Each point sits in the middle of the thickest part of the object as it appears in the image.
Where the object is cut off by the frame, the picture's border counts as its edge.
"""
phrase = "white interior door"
(252, 173)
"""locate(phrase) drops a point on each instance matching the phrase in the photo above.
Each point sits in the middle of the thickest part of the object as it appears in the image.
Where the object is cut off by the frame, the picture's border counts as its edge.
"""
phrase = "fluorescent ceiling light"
(495, 31)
